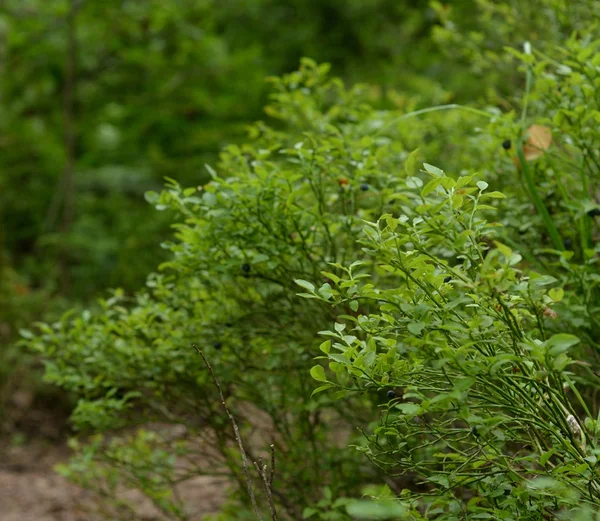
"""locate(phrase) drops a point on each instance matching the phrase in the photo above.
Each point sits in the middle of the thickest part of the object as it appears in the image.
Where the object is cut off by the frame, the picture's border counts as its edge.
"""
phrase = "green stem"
(451, 106)
(528, 79)
(537, 201)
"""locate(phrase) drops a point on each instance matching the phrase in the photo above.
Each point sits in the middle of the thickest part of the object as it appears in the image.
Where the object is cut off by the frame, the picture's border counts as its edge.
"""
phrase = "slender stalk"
(438, 108)
(236, 431)
(262, 470)
(555, 237)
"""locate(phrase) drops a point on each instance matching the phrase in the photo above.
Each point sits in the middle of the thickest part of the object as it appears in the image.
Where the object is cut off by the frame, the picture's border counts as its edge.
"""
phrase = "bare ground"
(30, 490)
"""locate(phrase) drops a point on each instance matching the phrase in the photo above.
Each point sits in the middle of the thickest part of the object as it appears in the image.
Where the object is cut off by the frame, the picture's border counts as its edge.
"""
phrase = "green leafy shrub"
(476, 35)
(176, 81)
(500, 426)
(552, 203)
(280, 210)
(481, 332)
(479, 413)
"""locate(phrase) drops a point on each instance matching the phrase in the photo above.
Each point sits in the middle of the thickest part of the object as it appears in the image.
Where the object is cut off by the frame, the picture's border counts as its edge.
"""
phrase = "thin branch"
(272, 476)
(237, 435)
(262, 470)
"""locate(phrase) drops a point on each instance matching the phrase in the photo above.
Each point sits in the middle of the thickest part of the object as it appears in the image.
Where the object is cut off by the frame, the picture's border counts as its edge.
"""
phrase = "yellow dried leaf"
(539, 139)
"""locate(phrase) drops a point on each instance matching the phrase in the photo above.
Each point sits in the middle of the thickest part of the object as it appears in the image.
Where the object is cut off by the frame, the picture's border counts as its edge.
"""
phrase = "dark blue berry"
(568, 244)
(594, 212)
(364, 187)
(475, 432)
(391, 394)
(447, 279)
(506, 144)
(246, 268)
(218, 345)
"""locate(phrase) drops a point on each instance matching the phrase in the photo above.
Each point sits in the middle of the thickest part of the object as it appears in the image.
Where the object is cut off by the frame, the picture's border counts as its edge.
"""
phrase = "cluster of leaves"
(492, 402)
(480, 413)
(91, 122)
(463, 329)
(280, 210)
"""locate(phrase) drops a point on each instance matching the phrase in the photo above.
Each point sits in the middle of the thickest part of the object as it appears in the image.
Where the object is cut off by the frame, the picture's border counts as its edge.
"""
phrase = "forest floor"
(33, 440)
(30, 489)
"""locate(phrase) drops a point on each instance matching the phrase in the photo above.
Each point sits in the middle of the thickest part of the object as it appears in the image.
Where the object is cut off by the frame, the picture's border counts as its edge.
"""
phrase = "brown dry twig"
(262, 469)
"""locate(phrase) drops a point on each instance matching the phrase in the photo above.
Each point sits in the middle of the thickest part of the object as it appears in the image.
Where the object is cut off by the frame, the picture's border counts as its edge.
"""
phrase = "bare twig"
(237, 435)
(262, 470)
(291, 508)
(272, 465)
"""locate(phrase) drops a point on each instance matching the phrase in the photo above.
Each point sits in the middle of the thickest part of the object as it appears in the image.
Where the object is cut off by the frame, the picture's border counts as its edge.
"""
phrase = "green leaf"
(325, 346)
(340, 358)
(556, 294)
(261, 257)
(325, 291)
(151, 196)
(560, 343)
(305, 284)
(339, 327)
(541, 280)
(457, 201)
(464, 180)
(433, 170)
(318, 373)
(211, 171)
(410, 167)
(463, 384)
(546, 456)
(209, 199)
(430, 187)
(410, 409)
(482, 185)
(416, 327)
(495, 195)
(331, 276)
(321, 389)
(25, 333)
(503, 249)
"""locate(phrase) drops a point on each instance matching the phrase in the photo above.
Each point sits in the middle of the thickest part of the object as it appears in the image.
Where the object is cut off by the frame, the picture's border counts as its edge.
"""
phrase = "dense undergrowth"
(452, 311)
(396, 285)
